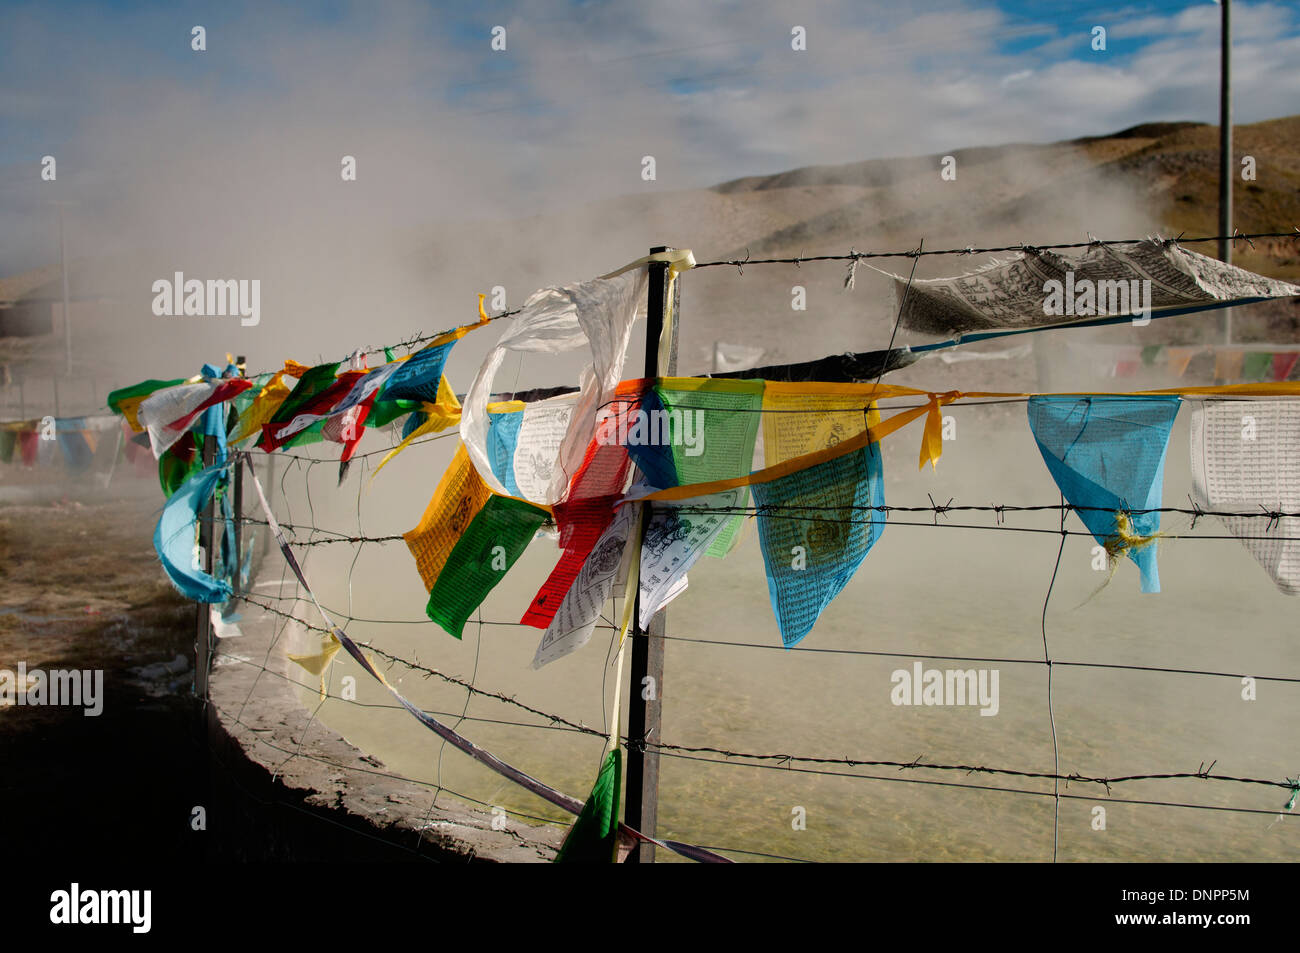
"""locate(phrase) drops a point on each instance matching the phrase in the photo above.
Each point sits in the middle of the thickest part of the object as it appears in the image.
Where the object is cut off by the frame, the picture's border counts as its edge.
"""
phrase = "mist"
(521, 167)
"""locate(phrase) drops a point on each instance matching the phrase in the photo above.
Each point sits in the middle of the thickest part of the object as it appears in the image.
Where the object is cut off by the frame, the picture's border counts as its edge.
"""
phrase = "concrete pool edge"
(258, 728)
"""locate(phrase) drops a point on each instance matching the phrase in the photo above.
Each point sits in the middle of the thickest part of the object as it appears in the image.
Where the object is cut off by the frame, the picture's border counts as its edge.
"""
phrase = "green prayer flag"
(712, 427)
(1257, 366)
(593, 839)
(384, 412)
(244, 399)
(174, 469)
(313, 382)
(8, 439)
(495, 538)
(308, 435)
(142, 389)
(1149, 354)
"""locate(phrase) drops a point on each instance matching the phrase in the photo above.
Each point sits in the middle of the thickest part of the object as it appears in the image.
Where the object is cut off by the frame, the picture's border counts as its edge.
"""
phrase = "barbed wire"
(756, 759)
(918, 252)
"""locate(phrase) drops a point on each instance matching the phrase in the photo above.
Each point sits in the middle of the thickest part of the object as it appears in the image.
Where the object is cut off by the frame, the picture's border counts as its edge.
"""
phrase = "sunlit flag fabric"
(167, 413)
(417, 377)
(676, 536)
(496, 537)
(350, 391)
(1246, 458)
(126, 400)
(313, 382)
(425, 419)
(574, 619)
(271, 395)
(588, 508)
(1107, 456)
(174, 538)
(456, 542)
(815, 526)
(523, 441)
(694, 430)
(597, 313)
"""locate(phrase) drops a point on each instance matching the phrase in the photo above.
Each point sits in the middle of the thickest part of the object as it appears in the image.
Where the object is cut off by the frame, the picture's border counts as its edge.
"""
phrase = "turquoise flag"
(173, 539)
(1107, 455)
(815, 527)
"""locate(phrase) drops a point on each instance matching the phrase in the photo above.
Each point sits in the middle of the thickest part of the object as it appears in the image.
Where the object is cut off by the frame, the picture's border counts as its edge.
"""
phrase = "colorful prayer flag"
(1107, 456)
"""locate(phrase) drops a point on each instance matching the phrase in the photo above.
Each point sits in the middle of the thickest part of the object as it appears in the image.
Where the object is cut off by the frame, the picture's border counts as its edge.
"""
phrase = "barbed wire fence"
(306, 535)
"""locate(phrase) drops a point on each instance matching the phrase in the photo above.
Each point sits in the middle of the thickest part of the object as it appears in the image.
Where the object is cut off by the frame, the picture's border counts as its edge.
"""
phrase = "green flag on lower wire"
(495, 538)
(593, 838)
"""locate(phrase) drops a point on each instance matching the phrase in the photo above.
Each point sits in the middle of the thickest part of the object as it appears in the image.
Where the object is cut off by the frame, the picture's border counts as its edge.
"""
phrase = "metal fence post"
(207, 537)
(236, 583)
(645, 693)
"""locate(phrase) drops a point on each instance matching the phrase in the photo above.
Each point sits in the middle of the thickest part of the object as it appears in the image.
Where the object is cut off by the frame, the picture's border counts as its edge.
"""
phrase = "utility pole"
(1225, 148)
(67, 313)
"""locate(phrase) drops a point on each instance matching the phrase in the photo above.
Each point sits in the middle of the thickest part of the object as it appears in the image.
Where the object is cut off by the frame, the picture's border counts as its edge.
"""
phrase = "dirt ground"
(80, 588)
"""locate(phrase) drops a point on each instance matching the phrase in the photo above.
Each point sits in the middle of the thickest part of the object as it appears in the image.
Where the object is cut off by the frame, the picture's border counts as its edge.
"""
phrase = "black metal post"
(207, 537)
(645, 696)
(236, 582)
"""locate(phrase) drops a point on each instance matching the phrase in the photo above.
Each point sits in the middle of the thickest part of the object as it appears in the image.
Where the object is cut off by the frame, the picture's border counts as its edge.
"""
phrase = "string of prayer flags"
(1245, 457)
(1107, 456)
(174, 538)
(313, 382)
(351, 390)
(263, 407)
(168, 413)
(815, 527)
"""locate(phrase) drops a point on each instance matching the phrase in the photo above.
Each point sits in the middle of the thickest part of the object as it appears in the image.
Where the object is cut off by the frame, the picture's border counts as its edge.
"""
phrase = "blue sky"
(583, 91)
